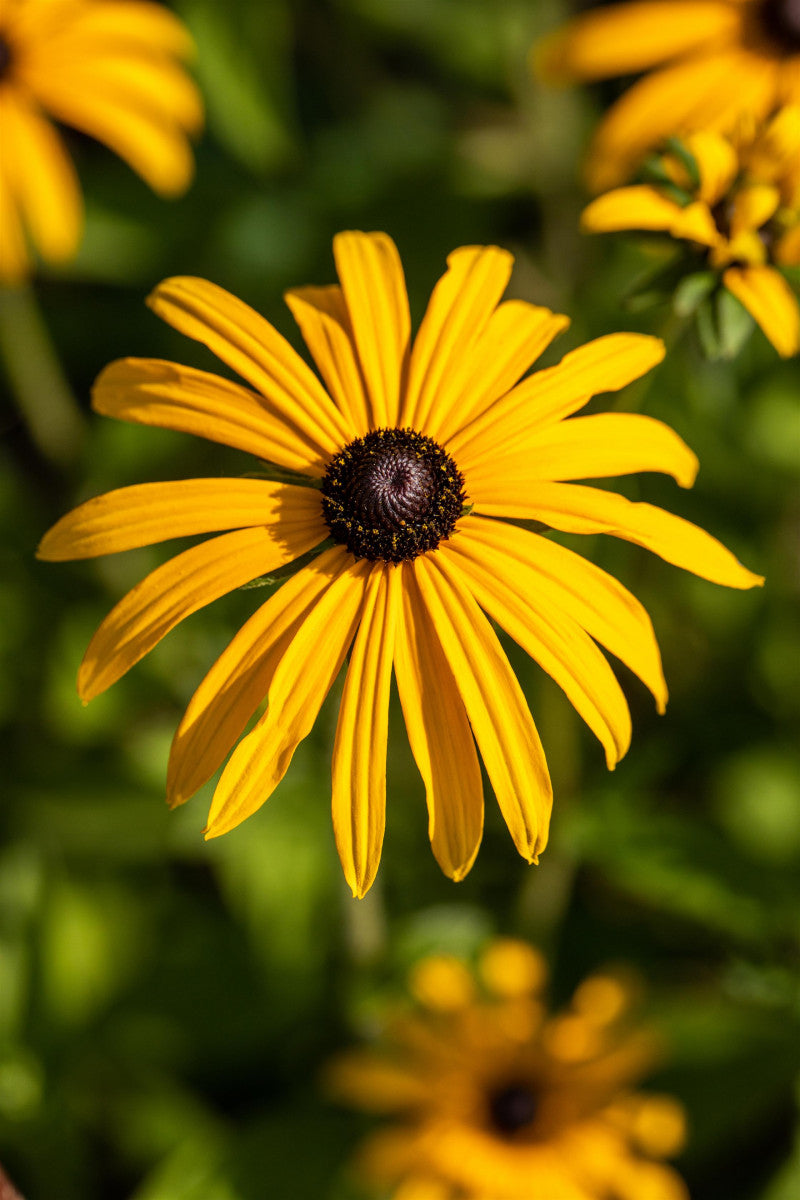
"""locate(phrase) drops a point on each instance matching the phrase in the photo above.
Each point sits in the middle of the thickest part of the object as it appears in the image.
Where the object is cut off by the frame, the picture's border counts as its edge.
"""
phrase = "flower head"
(108, 70)
(716, 61)
(494, 1098)
(401, 465)
(734, 203)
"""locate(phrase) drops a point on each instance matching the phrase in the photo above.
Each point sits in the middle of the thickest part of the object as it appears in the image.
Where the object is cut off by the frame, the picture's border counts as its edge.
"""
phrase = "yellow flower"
(717, 60)
(741, 212)
(107, 69)
(411, 454)
(496, 1099)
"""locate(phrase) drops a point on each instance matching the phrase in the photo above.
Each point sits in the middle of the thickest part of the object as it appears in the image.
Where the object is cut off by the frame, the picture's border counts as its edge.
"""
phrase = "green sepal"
(723, 325)
(692, 291)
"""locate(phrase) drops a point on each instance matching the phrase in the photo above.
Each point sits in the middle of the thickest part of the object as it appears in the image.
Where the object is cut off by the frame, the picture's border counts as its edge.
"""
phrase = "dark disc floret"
(392, 495)
(781, 22)
(512, 1108)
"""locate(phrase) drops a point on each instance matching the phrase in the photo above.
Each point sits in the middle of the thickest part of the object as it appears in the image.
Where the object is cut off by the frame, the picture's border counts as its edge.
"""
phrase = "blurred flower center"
(392, 495)
(781, 19)
(5, 57)
(512, 1108)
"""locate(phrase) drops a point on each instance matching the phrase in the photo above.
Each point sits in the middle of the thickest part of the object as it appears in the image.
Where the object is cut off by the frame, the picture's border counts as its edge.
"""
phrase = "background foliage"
(166, 1004)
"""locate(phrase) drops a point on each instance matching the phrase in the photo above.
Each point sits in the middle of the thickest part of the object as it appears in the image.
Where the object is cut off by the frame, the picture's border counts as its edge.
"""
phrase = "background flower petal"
(771, 303)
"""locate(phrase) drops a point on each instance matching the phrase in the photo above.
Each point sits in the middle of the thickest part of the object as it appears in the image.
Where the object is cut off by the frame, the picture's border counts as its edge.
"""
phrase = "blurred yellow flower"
(106, 68)
(407, 458)
(494, 1098)
(717, 60)
(736, 201)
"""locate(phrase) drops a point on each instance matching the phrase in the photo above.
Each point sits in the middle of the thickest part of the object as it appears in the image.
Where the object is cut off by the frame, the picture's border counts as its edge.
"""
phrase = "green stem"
(43, 395)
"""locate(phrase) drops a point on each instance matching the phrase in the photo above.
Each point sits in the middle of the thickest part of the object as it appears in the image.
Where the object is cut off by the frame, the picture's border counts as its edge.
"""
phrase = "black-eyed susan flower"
(734, 205)
(716, 61)
(494, 1098)
(111, 70)
(410, 451)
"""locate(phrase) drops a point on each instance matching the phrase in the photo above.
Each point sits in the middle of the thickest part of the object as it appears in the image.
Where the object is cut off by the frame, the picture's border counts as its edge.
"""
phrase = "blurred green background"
(166, 1004)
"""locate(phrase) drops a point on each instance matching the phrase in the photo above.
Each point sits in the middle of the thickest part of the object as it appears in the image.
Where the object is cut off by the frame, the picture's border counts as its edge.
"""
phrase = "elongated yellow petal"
(576, 509)
(752, 207)
(604, 365)
(787, 249)
(440, 736)
(374, 288)
(145, 27)
(514, 337)
(14, 258)
(637, 207)
(165, 394)
(359, 752)
(155, 146)
(696, 224)
(620, 39)
(458, 311)
(555, 641)
(580, 590)
(180, 587)
(771, 303)
(239, 680)
(156, 512)
(587, 448)
(301, 681)
(496, 707)
(375, 1084)
(154, 86)
(254, 348)
(325, 325)
(717, 164)
(692, 94)
(41, 176)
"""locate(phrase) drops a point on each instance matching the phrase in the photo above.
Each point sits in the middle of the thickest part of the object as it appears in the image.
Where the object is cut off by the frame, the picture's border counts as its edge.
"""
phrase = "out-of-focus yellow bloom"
(406, 463)
(718, 60)
(736, 201)
(495, 1099)
(110, 69)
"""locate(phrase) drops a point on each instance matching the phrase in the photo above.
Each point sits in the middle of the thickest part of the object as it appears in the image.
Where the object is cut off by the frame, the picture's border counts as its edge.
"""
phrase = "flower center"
(512, 1108)
(5, 57)
(781, 20)
(392, 494)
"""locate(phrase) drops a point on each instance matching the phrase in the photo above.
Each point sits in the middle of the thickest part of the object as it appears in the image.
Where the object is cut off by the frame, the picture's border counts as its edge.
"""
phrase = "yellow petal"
(587, 448)
(776, 149)
(752, 207)
(604, 365)
(771, 303)
(155, 146)
(636, 207)
(717, 164)
(301, 681)
(374, 288)
(359, 752)
(239, 680)
(621, 39)
(497, 710)
(440, 737)
(458, 311)
(14, 259)
(556, 642)
(374, 1084)
(156, 512)
(696, 224)
(325, 325)
(153, 392)
(576, 509)
(787, 249)
(692, 94)
(146, 27)
(572, 585)
(252, 347)
(178, 588)
(41, 176)
(514, 337)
